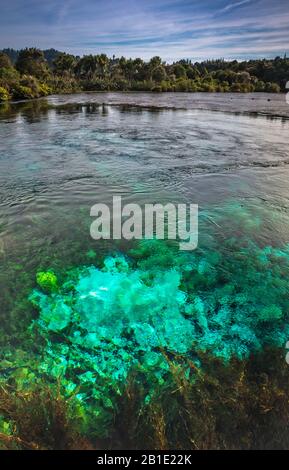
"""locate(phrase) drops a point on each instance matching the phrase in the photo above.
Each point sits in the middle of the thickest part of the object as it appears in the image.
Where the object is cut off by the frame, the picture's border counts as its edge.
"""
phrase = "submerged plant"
(136, 312)
(47, 281)
(38, 419)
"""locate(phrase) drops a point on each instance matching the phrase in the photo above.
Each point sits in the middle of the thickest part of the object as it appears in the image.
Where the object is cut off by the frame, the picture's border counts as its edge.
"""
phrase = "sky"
(172, 29)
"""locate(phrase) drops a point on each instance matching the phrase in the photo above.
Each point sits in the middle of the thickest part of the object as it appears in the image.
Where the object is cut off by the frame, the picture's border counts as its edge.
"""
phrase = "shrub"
(4, 95)
(21, 92)
(44, 89)
(8, 77)
(32, 83)
(272, 88)
(157, 89)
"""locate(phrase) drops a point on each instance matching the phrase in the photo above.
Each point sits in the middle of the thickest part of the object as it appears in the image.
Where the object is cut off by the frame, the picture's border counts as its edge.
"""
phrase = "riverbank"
(271, 104)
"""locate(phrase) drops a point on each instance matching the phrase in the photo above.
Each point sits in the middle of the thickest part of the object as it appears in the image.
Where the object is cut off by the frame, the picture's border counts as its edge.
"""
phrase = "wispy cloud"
(230, 6)
(171, 28)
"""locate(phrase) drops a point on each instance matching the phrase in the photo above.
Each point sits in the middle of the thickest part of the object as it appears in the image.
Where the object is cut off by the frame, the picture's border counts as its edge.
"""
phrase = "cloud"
(172, 29)
(230, 6)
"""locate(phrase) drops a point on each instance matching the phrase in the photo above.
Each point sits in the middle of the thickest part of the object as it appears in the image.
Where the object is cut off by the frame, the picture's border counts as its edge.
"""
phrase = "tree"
(244, 77)
(87, 67)
(32, 62)
(8, 77)
(180, 71)
(192, 72)
(64, 63)
(159, 73)
(37, 73)
(155, 62)
(5, 61)
(139, 69)
(102, 62)
(12, 54)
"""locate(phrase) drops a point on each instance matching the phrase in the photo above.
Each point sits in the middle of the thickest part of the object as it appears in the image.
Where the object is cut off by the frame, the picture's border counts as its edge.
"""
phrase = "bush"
(121, 85)
(8, 77)
(44, 90)
(181, 85)
(29, 87)
(159, 73)
(59, 84)
(208, 87)
(157, 89)
(272, 88)
(32, 83)
(260, 86)
(4, 95)
(21, 92)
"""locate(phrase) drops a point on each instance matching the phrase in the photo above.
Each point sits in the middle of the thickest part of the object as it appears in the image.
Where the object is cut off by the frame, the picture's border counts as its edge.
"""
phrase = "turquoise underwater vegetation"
(100, 323)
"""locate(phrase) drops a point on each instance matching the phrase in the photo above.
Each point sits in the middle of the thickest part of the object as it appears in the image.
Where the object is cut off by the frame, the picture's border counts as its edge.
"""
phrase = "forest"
(32, 73)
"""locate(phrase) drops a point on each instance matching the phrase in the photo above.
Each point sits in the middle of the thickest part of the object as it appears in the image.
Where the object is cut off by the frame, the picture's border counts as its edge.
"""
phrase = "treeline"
(32, 73)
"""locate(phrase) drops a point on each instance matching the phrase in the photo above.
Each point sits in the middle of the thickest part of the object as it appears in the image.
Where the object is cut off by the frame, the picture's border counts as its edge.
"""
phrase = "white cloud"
(144, 29)
(230, 6)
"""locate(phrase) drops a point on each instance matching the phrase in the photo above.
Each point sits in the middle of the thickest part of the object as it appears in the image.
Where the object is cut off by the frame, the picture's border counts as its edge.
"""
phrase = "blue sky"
(173, 29)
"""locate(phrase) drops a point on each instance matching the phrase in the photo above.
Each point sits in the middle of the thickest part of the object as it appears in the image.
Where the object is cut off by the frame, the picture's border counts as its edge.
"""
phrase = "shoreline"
(269, 105)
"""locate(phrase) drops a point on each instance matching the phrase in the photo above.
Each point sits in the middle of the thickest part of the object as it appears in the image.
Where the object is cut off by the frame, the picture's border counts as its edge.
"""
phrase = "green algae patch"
(47, 281)
(154, 307)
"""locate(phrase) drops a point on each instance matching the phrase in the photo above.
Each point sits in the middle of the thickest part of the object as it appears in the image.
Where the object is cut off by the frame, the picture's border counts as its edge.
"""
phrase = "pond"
(60, 156)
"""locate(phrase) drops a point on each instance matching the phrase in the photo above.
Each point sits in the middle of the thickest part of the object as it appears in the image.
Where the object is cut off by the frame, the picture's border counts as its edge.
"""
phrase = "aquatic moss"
(47, 281)
(135, 310)
(238, 405)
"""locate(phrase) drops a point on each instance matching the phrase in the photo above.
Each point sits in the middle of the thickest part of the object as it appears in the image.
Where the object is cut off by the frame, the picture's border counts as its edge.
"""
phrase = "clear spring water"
(59, 158)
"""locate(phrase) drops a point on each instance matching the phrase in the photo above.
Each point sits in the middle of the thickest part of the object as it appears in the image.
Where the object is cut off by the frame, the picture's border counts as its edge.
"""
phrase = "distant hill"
(12, 54)
(49, 54)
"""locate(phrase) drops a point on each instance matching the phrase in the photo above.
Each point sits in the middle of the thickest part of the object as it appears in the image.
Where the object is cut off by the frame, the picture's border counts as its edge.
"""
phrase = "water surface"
(58, 157)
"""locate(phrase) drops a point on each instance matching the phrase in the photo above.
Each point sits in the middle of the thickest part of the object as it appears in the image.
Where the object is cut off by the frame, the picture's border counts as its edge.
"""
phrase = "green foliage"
(136, 313)
(4, 95)
(31, 61)
(47, 281)
(28, 87)
(9, 78)
(160, 342)
(5, 61)
(21, 92)
(208, 408)
(159, 73)
(44, 89)
(179, 71)
(38, 419)
(5, 426)
(50, 71)
(64, 63)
